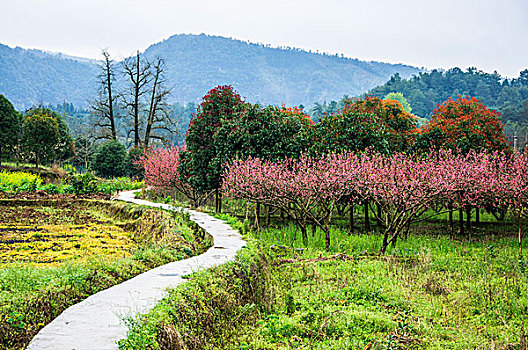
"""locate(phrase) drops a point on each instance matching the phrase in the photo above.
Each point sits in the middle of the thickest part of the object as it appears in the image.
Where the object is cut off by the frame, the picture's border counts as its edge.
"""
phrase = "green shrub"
(83, 183)
(119, 184)
(52, 188)
(109, 159)
(209, 309)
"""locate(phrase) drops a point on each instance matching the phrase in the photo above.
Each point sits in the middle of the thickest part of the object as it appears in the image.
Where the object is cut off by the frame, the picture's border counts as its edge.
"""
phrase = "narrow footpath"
(96, 323)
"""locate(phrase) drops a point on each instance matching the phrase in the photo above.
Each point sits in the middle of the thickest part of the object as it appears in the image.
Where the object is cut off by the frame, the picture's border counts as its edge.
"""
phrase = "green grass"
(428, 292)
(209, 309)
(24, 165)
(31, 294)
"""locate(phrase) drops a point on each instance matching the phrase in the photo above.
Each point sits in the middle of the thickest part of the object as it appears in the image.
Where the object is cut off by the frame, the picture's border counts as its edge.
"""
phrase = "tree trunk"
(268, 216)
(468, 218)
(152, 111)
(351, 219)
(257, 215)
(520, 234)
(385, 243)
(477, 216)
(378, 220)
(451, 224)
(136, 104)
(216, 200)
(461, 220)
(108, 66)
(158, 114)
(367, 221)
(327, 238)
(388, 238)
(304, 235)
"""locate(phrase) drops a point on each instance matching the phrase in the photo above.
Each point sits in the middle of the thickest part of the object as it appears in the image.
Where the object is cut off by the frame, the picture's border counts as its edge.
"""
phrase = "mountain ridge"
(194, 65)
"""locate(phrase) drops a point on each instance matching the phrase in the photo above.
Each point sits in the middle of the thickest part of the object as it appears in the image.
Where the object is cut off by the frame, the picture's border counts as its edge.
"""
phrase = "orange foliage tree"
(400, 126)
(463, 124)
(369, 122)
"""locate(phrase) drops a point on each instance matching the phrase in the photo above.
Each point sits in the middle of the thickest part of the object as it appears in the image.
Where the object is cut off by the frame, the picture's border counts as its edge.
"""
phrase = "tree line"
(508, 96)
(428, 89)
(130, 109)
(39, 135)
(226, 128)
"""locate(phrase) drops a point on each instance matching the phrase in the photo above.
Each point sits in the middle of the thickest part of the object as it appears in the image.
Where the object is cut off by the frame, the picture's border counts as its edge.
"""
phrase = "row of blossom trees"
(279, 157)
(404, 187)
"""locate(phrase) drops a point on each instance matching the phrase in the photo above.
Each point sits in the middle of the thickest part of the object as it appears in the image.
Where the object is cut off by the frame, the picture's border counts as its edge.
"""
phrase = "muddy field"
(34, 195)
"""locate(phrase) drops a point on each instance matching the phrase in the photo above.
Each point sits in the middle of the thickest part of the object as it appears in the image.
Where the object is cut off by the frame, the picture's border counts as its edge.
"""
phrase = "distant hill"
(194, 65)
(30, 77)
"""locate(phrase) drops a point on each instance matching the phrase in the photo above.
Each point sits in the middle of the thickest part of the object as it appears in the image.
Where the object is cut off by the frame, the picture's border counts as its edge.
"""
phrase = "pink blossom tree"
(307, 188)
(161, 172)
(404, 187)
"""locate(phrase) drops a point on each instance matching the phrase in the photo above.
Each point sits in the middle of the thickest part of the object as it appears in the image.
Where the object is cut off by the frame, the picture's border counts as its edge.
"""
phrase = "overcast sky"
(488, 34)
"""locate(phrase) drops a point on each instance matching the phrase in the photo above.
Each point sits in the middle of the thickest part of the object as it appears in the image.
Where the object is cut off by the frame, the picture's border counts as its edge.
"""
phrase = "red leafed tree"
(464, 124)
(297, 113)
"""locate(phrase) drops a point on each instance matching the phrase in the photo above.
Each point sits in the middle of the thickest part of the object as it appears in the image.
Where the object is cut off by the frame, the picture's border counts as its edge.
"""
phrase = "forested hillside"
(31, 77)
(194, 64)
(426, 90)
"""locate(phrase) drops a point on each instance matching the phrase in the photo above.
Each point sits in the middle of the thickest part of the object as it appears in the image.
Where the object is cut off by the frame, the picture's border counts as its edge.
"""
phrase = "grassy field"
(428, 292)
(55, 253)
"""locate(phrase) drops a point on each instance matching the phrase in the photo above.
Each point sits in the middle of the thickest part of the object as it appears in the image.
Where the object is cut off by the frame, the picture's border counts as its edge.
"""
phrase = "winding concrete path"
(96, 323)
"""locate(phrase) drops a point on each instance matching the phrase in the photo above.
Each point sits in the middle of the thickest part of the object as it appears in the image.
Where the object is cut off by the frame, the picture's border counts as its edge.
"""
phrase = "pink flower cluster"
(475, 179)
(161, 168)
(403, 186)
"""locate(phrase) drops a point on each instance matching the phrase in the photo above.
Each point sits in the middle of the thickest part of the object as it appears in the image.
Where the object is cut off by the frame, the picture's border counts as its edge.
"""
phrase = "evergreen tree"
(9, 128)
(202, 163)
(40, 137)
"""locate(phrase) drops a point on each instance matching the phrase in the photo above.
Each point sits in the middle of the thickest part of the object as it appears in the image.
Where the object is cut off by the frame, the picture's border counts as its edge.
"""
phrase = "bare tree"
(137, 71)
(103, 107)
(159, 122)
(145, 98)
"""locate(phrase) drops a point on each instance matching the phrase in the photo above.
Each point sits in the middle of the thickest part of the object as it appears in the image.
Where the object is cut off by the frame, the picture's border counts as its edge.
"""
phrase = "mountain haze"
(194, 65)
(30, 77)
